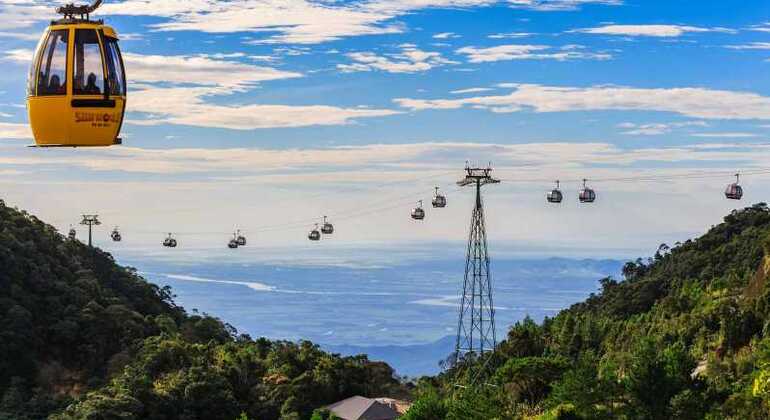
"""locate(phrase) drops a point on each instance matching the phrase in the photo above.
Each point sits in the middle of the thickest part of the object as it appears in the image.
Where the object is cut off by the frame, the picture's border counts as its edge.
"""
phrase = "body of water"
(386, 307)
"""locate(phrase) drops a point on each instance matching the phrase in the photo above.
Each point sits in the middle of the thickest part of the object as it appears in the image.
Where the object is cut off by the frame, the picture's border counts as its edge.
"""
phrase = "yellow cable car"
(76, 92)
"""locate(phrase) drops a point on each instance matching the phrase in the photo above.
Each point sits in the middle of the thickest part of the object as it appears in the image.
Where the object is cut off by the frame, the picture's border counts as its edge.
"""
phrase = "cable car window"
(89, 72)
(52, 76)
(31, 80)
(114, 67)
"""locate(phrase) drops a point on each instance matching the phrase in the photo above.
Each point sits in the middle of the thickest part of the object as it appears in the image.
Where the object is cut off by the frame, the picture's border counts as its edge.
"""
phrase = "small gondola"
(587, 195)
(170, 241)
(240, 238)
(555, 195)
(115, 235)
(439, 200)
(72, 234)
(315, 234)
(233, 243)
(734, 191)
(418, 213)
(327, 228)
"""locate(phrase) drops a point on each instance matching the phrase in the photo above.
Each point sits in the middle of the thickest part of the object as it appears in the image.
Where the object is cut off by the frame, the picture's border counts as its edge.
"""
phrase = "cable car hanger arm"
(70, 10)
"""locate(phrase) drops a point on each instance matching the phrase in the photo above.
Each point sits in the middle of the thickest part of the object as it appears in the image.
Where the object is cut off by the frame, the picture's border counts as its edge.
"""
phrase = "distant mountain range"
(411, 360)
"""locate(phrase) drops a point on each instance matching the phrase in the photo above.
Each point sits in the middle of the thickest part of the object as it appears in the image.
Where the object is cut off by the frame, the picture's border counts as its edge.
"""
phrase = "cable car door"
(96, 115)
(49, 88)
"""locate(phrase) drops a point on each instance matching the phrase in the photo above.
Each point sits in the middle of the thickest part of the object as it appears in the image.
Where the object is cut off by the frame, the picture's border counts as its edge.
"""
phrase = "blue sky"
(277, 112)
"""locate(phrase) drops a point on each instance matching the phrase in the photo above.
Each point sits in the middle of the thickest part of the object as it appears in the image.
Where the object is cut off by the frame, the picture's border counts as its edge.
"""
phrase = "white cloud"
(526, 52)
(282, 21)
(131, 37)
(17, 14)
(655, 129)
(19, 56)
(735, 135)
(409, 60)
(200, 70)
(306, 21)
(20, 35)
(508, 35)
(285, 21)
(650, 30)
(764, 27)
(750, 46)
(446, 35)
(378, 162)
(693, 102)
(184, 105)
(15, 131)
(558, 5)
(178, 90)
(187, 106)
(470, 90)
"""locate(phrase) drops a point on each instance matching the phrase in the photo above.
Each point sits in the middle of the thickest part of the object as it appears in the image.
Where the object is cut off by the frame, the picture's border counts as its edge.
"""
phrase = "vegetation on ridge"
(83, 338)
(685, 335)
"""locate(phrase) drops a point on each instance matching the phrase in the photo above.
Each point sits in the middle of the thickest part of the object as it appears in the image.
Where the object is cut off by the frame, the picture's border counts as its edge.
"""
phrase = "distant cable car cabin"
(170, 241)
(76, 91)
(233, 243)
(586, 195)
(418, 213)
(240, 238)
(555, 195)
(439, 200)
(115, 235)
(734, 191)
(72, 234)
(314, 234)
(327, 228)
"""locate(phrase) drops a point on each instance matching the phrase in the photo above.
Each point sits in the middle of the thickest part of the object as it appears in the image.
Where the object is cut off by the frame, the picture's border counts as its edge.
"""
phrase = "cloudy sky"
(267, 114)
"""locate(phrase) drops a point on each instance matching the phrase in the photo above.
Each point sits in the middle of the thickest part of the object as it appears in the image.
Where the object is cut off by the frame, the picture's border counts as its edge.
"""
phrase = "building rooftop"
(361, 408)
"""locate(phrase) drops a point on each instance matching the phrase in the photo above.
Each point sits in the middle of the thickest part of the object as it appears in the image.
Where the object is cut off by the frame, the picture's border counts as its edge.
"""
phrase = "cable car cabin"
(439, 201)
(555, 195)
(233, 243)
(734, 192)
(72, 234)
(115, 235)
(586, 195)
(314, 234)
(418, 213)
(241, 240)
(169, 241)
(76, 91)
(327, 228)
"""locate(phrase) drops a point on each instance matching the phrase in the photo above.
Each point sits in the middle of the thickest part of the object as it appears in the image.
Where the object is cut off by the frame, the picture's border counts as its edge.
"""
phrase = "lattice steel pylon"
(476, 324)
(90, 220)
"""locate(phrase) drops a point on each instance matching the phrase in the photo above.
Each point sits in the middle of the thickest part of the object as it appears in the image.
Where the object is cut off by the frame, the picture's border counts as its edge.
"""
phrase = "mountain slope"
(79, 331)
(682, 336)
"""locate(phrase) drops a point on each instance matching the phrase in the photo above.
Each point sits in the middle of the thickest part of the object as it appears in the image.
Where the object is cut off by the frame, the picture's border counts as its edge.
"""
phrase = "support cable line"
(734, 191)
(642, 178)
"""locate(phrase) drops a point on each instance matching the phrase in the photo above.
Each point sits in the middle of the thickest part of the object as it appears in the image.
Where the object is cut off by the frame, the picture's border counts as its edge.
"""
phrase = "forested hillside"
(685, 335)
(83, 338)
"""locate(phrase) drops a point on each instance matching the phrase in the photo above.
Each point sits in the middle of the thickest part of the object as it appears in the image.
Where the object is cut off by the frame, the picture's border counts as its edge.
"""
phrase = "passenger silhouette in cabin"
(91, 88)
(54, 86)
